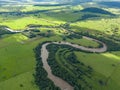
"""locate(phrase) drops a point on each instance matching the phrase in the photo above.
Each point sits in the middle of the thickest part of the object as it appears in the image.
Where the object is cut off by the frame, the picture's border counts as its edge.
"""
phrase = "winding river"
(13, 31)
(58, 81)
(44, 55)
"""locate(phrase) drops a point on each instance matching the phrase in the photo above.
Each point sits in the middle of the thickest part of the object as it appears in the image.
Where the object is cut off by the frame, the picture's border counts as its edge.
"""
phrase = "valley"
(58, 45)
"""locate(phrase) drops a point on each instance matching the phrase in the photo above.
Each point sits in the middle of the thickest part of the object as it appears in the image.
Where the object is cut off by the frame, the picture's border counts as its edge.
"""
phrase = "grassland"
(18, 62)
(106, 63)
(23, 81)
(21, 23)
(17, 58)
(84, 42)
(32, 8)
(104, 25)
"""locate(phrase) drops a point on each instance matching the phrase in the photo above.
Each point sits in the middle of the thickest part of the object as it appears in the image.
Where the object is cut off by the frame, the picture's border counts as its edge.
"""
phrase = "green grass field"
(17, 62)
(104, 25)
(84, 42)
(21, 23)
(23, 81)
(17, 58)
(106, 63)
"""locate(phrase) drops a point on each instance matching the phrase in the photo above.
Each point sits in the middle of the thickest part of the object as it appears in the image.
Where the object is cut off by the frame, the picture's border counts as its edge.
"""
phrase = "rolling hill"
(96, 10)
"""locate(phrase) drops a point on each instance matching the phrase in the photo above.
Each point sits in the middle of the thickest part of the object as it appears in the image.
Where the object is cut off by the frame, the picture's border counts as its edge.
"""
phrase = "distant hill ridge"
(96, 10)
(113, 4)
(57, 1)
